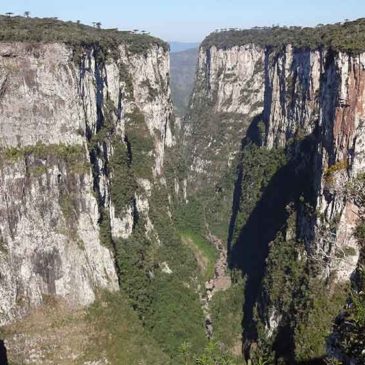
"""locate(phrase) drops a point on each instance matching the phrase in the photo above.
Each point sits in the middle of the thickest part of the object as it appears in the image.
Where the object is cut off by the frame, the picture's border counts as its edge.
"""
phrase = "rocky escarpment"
(230, 82)
(65, 112)
(296, 102)
(228, 95)
(284, 113)
(97, 192)
(87, 175)
(321, 94)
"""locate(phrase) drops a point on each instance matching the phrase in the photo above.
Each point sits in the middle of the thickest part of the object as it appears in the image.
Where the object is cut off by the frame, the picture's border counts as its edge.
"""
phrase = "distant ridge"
(182, 46)
(183, 67)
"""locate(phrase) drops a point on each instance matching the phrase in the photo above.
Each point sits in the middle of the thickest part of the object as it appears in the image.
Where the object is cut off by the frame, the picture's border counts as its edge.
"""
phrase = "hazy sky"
(190, 20)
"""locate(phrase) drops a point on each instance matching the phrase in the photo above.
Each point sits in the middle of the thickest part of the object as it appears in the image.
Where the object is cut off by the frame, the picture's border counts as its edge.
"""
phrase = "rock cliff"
(102, 189)
(284, 114)
(87, 219)
(61, 115)
(292, 92)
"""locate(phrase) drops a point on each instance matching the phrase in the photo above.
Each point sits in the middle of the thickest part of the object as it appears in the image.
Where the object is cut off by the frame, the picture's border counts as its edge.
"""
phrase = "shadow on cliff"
(316, 361)
(3, 355)
(252, 136)
(249, 251)
(292, 185)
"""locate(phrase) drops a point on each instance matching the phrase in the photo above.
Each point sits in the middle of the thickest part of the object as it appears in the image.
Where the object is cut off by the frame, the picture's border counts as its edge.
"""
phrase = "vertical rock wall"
(54, 104)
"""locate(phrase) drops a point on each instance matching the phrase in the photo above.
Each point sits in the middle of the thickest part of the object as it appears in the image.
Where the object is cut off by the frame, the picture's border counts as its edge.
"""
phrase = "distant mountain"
(182, 46)
(183, 67)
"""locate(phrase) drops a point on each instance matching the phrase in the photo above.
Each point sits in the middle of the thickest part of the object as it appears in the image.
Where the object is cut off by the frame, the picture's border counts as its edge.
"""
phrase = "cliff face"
(321, 93)
(62, 113)
(230, 84)
(268, 161)
(228, 95)
(283, 96)
(287, 122)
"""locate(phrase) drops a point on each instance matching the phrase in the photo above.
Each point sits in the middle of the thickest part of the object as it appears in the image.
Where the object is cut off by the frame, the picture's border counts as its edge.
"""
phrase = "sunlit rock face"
(295, 94)
(53, 192)
(305, 104)
(322, 93)
(230, 84)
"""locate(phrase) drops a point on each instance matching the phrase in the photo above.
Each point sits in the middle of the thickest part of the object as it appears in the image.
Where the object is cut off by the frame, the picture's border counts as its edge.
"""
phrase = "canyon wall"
(289, 94)
(101, 189)
(65, 113)
(287, 122)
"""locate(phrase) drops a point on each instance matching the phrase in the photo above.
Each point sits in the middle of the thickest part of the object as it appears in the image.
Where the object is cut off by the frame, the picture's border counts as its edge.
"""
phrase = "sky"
(190, 20)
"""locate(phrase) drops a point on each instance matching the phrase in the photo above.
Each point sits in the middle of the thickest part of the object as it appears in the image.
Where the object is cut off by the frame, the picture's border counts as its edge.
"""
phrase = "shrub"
(348, 37)
(123, 183)
(349, 327)
(48, 30)
(360, 232)
(120, 335)
(331, 170)
(140, 143)
(227, 314)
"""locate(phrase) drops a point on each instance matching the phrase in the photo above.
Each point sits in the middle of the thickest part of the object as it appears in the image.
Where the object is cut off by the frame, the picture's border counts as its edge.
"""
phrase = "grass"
(52, 333)
(58, 334)
(74, 156)
(120, 334)
(204, 252)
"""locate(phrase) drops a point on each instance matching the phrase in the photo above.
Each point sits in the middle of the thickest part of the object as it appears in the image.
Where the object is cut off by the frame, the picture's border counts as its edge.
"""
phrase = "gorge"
(120, 220)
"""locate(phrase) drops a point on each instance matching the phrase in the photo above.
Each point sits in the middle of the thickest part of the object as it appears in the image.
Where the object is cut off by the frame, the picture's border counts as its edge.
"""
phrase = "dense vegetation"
(227, 316)
(348, 36)
(259, 165)
(158, 274)
(306, 304)
(168, 308)
(120, 334)
(212, 355)
(349, 328)
(48, 30)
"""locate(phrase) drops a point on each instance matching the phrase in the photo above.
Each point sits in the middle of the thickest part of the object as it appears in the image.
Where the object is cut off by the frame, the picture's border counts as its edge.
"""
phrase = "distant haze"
(182, 46)
(183, 67)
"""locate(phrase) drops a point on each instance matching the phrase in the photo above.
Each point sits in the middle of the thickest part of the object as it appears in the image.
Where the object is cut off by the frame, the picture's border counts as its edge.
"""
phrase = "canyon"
(232, 235)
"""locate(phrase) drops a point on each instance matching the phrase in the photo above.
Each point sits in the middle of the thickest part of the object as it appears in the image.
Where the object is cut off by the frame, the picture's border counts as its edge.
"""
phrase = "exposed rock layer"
(309, 104)
(53, 106)
(286, 95)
